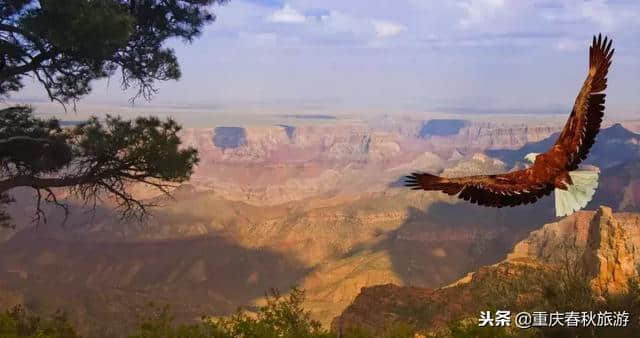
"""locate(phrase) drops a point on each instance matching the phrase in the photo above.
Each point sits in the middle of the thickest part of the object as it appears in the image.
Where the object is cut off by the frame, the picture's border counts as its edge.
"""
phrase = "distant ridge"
(308, 117)
(614, 145)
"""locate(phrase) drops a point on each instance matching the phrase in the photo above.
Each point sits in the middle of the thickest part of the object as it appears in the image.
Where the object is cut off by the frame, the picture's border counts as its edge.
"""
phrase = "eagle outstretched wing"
(528, 185)
(580, 131)
(501, 190)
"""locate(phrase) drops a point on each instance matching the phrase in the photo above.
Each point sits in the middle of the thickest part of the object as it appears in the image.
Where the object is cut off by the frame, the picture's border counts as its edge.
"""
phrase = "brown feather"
(573, 145)
(583, 125)
(488, 190)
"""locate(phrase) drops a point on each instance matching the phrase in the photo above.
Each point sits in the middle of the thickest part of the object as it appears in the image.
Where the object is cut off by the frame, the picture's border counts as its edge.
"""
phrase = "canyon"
(317, 205)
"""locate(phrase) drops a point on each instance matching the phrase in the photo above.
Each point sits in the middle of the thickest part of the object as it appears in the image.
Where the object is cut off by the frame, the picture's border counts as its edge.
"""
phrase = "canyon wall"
(601, 243)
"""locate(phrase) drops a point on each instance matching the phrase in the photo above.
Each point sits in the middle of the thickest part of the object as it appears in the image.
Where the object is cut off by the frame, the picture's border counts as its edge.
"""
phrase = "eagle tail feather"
(578, 195)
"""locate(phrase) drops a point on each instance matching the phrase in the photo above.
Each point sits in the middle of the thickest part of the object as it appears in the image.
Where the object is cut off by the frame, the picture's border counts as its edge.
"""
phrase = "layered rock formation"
(494, 136)
(478, 164)
(610, 256)
(614, 146)
(269, 165)
(602, 243)
(314, 203)
(282, 163)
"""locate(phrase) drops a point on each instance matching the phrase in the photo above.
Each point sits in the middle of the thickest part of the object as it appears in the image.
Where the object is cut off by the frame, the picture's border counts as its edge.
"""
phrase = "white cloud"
(287, 14)
(321, 46)
(338, 22)
(479, 11)
(387, 29)
(364, 29)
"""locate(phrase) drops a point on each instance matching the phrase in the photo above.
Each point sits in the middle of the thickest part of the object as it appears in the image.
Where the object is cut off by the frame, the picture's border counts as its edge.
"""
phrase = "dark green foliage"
(158, 322)
(143, 147)
(284, 316)
(66, 44)
(93, 159)
(17, 323)
(29, 145)
(280, 317)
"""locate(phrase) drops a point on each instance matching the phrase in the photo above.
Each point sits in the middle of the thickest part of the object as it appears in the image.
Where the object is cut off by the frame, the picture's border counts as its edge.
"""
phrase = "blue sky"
(474, 55)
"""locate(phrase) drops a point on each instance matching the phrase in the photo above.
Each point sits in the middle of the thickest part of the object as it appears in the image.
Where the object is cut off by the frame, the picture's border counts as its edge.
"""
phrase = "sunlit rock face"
(610, 256)
(601, 243)
(478, 164)
(605, 243)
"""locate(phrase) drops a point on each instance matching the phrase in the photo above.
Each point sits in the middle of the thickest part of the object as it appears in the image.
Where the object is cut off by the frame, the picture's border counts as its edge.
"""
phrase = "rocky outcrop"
(427, 162)
(602, 243)
(382, 146)
(610, 256)
(427, 309)
(494, 136)
(371, 309)
(478, 164)
(552, 240)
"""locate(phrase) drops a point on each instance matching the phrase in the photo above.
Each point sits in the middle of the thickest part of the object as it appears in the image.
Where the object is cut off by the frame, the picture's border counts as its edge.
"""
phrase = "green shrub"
(281, 317)
(17, 323)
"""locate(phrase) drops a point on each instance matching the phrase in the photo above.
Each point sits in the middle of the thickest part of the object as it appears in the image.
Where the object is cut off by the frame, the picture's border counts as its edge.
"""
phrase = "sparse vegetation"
(282, 316)
(16, 322)
(564, 287)
(558, 289)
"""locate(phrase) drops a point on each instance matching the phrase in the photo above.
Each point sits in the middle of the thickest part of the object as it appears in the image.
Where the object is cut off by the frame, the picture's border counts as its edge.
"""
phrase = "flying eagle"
(557, 169)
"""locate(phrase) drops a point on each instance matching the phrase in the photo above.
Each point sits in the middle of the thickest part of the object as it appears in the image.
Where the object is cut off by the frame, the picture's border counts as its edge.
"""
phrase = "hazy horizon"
(337, 57)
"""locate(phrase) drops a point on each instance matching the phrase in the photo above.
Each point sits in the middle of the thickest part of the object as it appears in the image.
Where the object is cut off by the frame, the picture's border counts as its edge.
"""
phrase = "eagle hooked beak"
(531, 157)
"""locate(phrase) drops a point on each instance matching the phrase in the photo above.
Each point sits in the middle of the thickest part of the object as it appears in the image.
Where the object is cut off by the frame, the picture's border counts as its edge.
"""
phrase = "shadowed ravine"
(205, 253)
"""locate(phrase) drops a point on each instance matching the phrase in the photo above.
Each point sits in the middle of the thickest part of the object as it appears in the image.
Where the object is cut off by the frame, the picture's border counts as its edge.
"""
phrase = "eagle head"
(531, 157)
